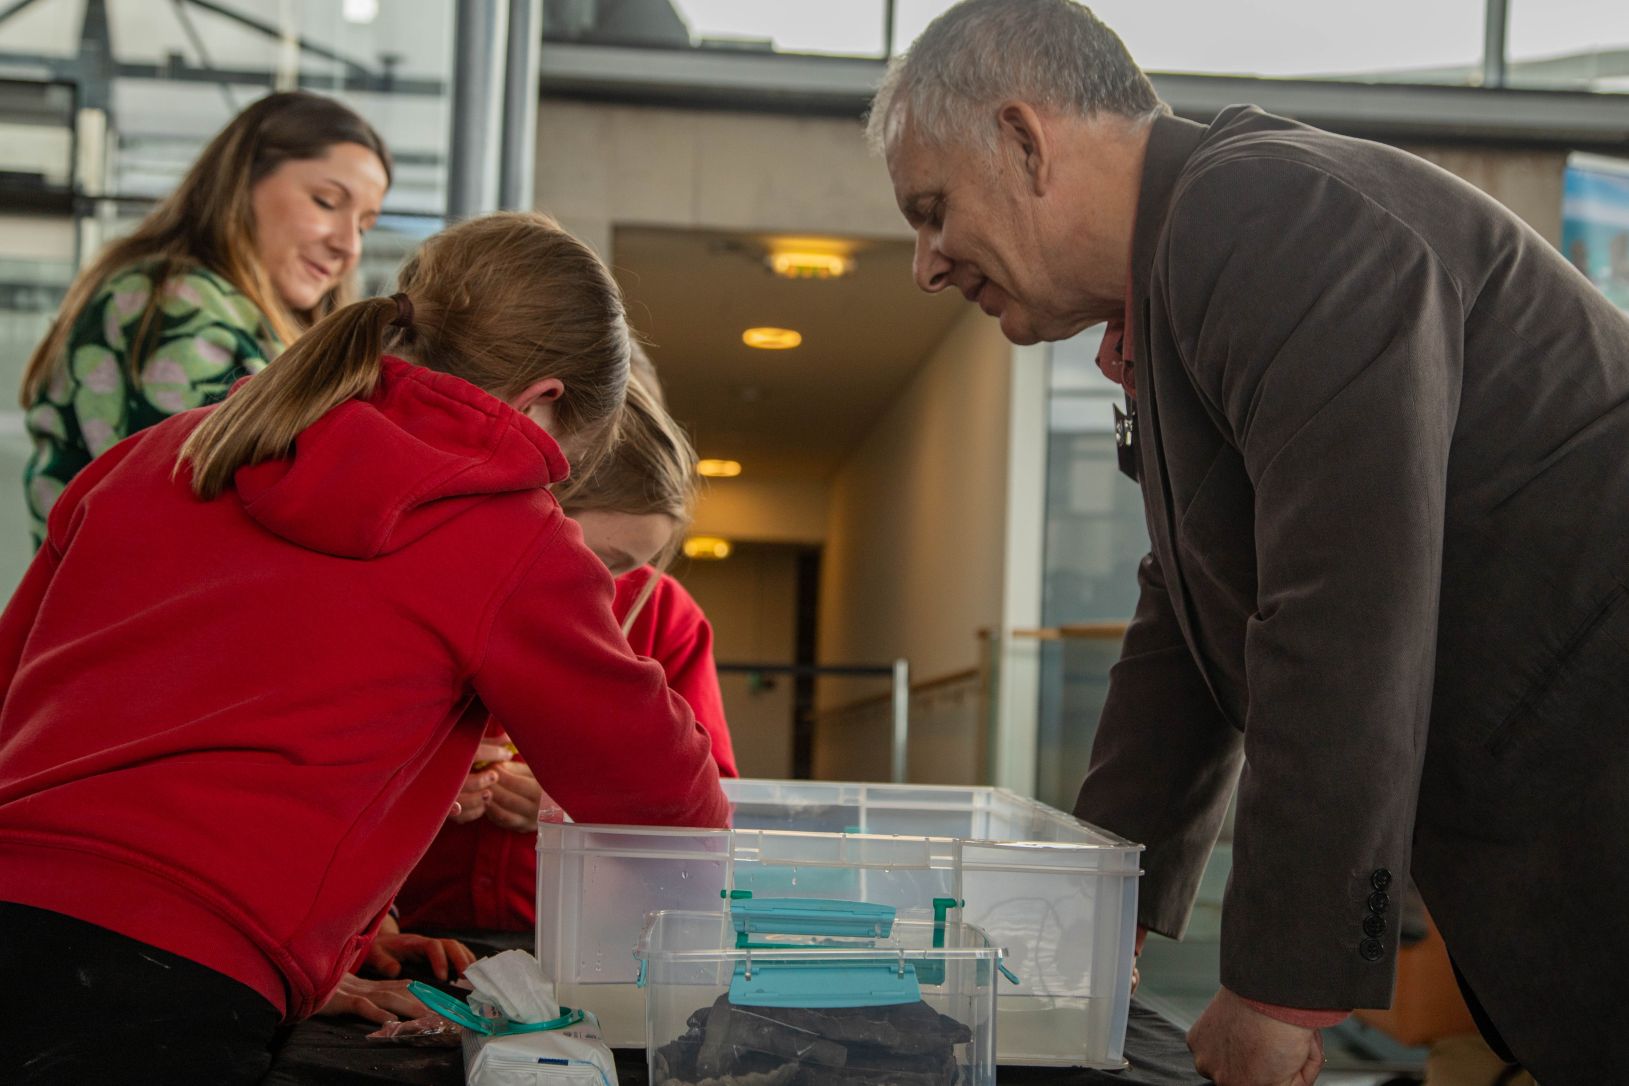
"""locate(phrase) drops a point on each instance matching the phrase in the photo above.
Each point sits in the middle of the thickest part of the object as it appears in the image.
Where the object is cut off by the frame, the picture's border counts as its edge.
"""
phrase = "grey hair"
(1054, 54)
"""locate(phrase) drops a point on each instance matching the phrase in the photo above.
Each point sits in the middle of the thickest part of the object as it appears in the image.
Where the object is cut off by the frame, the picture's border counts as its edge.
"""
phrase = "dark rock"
(906, 1045)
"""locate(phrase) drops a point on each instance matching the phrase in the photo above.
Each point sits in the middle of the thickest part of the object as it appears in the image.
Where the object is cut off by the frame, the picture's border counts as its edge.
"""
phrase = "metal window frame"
(843, 86)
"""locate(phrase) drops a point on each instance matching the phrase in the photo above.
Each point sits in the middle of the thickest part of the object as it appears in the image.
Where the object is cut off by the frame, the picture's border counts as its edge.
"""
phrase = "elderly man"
(1382, 434)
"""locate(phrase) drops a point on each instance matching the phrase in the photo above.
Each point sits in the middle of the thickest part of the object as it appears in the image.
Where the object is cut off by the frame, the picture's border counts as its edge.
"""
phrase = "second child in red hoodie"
(481, 872)
(246, 674)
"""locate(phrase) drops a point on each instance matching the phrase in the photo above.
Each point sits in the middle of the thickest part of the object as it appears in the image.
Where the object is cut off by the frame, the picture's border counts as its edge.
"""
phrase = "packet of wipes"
(515, 1034)
(575, 1054)
(514, 983)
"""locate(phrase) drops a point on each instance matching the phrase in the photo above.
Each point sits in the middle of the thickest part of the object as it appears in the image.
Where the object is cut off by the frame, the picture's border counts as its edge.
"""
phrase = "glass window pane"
(842, 27)
(36, 265)
(1095, 531)
(1317, 39)
(1572, 44)
(162, 122)
(1095, 536)
(44, 29)
(1595, 223)
(36, 129)
(832, 27)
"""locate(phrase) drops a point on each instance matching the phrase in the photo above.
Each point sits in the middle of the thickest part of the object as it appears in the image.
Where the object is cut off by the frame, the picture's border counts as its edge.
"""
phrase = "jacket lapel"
(1171, 142)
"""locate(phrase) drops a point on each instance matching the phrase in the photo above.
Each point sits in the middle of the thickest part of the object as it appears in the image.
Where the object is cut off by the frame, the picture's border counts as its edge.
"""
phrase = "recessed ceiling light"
(771, 339)
(797, 264)
(706, 547)
(719, 469)
(360, 11)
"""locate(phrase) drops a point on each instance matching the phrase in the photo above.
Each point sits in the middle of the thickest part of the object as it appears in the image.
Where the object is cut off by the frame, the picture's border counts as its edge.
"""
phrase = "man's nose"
(929, 266)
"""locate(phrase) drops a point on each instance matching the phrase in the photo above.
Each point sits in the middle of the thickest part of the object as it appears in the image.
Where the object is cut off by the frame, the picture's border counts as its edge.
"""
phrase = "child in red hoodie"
(247, 673)
(481, 871)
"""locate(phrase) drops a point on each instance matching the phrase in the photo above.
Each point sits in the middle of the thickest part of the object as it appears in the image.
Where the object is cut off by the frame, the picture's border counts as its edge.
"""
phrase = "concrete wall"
(914, 554)
(36, 237)
(750, 598)
(776, 512)
(599, 165)
(1527, 182)
(605, 165)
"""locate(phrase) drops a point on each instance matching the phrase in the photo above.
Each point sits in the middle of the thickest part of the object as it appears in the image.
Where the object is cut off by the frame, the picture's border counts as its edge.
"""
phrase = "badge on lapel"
(1125, 438)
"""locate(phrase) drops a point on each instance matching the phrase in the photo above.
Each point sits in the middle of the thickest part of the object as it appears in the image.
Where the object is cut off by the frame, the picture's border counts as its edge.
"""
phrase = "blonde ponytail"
(336, 361)
(499, 301)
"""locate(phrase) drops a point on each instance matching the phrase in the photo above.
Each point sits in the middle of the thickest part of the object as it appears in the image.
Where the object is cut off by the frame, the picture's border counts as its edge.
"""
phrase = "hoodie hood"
(371, 476)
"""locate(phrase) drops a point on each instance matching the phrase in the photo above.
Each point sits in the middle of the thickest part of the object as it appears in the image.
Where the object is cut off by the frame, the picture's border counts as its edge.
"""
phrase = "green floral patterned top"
(207, 334)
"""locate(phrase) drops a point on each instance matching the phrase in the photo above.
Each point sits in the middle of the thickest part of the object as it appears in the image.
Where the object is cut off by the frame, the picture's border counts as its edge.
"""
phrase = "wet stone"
(906, 1045)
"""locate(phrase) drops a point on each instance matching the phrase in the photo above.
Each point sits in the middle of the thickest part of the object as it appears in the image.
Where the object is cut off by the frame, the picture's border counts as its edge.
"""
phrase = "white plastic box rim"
(744, 790)
(1041, 842)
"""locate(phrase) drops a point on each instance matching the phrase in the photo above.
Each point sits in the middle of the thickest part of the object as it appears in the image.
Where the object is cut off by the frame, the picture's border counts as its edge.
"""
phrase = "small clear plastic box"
(700, 1027)
(1059, 896)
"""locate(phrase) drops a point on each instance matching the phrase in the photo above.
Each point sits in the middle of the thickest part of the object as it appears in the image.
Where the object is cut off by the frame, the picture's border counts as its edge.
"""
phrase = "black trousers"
(81, 1004)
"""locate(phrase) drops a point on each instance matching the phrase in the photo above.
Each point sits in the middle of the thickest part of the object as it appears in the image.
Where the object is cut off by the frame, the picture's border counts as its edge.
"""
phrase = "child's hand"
(378, 1001)
(477, 791)
(445, 957)
(473, 797)
(516, 796)
(494, 750)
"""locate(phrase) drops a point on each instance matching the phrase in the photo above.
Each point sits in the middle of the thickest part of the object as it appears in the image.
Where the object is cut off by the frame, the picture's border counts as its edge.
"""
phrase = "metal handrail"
(1075, 631)
(899, 671)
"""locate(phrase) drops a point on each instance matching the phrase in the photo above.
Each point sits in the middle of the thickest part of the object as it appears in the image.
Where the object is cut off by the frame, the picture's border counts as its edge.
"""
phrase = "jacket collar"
(1171, 142)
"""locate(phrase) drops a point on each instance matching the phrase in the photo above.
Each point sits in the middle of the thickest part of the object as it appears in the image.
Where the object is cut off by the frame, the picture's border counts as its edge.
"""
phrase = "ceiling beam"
(842, 86)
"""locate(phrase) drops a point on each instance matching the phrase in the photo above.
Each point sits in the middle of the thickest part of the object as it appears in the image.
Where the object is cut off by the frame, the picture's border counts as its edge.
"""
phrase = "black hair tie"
(404, 312)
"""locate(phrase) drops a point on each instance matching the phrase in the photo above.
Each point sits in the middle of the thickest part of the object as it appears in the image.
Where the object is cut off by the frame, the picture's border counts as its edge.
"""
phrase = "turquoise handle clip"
(456, 1009)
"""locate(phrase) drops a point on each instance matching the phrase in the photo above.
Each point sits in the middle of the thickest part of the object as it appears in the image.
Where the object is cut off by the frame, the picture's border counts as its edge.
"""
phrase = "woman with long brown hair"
(258, 242)
(248, 670)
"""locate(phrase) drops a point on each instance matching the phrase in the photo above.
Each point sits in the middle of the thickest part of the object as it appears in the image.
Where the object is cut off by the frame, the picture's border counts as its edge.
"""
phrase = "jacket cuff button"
(1370, 950)
(1381, 879)
(1374, 926)
(1378, 901)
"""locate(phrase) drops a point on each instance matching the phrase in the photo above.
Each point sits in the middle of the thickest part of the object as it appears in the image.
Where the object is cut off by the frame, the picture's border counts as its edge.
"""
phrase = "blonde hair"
(650, 469)
(501, 301)
(208, 222)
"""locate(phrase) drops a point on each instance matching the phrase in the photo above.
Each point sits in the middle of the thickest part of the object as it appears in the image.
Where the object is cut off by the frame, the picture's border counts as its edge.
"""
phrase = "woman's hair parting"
(501, 301)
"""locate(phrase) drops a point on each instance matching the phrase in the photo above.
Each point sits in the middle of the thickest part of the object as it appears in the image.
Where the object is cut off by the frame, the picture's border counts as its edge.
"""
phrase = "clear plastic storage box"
(1057, 895)
(853, 997)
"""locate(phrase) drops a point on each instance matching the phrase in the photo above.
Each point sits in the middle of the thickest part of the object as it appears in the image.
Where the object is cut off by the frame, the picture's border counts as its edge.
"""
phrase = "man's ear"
(1026, 139)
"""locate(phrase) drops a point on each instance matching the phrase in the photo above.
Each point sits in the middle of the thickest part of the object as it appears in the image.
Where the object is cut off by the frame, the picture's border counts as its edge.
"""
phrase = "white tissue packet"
(575, 1055)
(514, 983)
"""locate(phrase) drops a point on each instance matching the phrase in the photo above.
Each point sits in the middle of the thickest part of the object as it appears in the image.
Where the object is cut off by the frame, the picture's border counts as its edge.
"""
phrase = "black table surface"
(337, 1052)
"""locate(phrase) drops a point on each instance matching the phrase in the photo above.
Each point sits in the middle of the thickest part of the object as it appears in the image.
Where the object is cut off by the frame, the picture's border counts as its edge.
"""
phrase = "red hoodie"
(673, 630)
(480, 875)
(230, 726)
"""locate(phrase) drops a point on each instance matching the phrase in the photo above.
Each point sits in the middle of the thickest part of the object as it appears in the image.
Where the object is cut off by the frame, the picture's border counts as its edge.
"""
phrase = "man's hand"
(515, 798)
(445, 957)
(1233, 1045)
(378, 1001)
